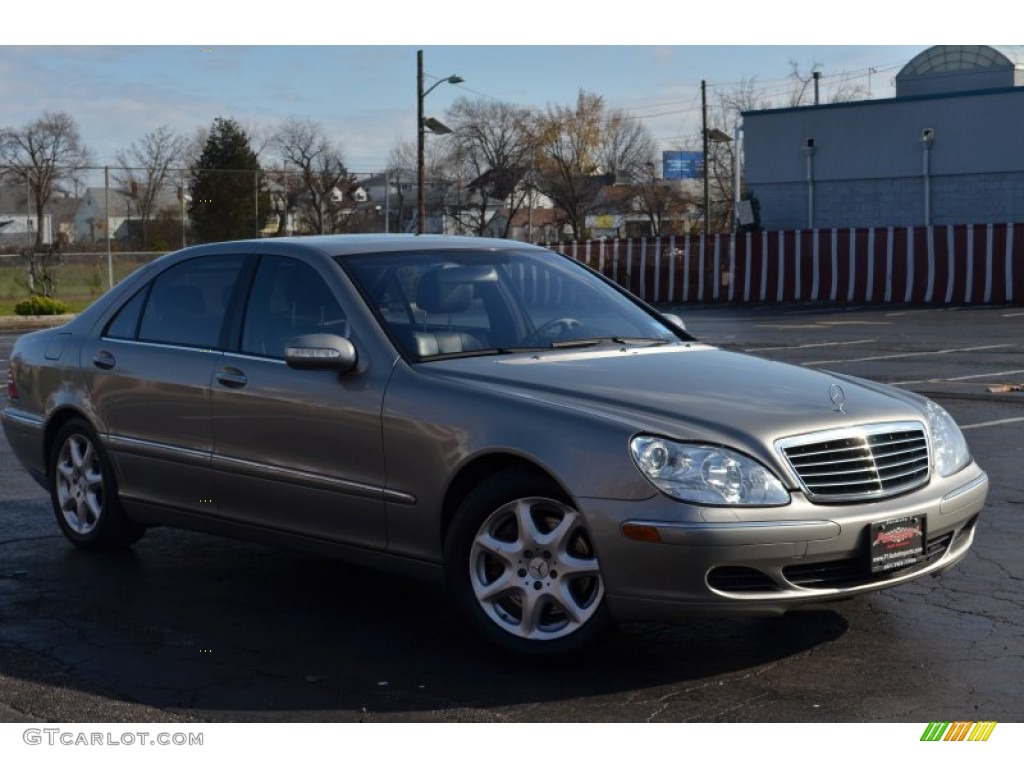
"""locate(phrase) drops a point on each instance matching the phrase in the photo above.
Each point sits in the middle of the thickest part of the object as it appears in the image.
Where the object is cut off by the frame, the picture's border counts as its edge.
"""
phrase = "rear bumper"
(25, 433)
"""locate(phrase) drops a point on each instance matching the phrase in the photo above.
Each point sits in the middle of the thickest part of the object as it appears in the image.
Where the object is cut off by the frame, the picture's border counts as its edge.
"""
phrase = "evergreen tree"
(229, 196)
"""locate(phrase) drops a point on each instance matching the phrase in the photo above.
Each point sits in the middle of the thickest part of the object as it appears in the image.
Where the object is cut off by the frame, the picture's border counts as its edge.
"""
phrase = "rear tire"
(522, 568)
(84, 491)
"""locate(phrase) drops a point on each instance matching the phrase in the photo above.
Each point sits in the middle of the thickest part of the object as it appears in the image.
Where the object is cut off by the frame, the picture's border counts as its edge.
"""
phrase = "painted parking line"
(788, 326)
(816, 344)
(1013, 314)
(910, 354)
(923, 310)
(856, 322)
(957, 378)
(998, 423)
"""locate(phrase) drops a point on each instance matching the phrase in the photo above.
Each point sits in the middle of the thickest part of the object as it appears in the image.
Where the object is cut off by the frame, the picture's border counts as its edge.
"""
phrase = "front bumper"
(766, 561)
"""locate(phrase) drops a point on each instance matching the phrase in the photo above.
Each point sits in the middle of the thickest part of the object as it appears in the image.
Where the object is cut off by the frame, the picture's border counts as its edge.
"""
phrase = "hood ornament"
(838, 398)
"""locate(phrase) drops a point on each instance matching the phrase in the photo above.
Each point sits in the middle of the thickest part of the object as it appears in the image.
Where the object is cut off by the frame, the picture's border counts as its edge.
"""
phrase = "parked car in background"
(486, 413)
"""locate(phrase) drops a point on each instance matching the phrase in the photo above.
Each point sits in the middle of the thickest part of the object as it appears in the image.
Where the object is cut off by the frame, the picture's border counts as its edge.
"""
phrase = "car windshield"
(438, 304)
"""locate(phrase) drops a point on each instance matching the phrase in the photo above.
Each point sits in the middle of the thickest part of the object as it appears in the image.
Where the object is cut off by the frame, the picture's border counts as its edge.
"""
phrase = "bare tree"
(746, 96)
(569, 156)
(40, 155)
(401, 177)
(837, 89)
(847, 91)
(147, 169)
(492, 143)
(801, 82)
(663, 202)
(627, 148)
(320, 167)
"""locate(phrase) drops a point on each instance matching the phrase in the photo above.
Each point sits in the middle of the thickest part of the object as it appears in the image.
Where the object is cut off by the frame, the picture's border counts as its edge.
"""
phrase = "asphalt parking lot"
(188, 627)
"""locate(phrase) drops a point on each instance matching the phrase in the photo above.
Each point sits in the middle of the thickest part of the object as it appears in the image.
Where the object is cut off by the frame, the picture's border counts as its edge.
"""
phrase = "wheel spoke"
(532, 606)
(558, 537)
(75, 451)
(501, 586)
(505, 551)
(529, 533)
(87, 457)
(66, 470)
(566, 601)
(573, 567)
(80, 521)
(93, 479)
(93, 502)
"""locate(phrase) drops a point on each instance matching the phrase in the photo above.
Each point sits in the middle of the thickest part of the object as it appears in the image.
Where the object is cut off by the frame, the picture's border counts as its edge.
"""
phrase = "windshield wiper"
(640, 340)
(482, 352)
(572, 343)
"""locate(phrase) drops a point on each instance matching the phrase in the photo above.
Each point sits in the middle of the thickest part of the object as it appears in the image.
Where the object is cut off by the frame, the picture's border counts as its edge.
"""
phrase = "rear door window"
(188, 302)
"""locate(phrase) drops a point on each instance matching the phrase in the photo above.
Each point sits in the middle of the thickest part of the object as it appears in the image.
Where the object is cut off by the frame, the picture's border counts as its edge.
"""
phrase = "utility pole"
(420, 200)
(704, 134)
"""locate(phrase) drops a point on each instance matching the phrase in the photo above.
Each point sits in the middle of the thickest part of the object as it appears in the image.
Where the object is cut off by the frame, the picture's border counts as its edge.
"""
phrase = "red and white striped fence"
(964, 264)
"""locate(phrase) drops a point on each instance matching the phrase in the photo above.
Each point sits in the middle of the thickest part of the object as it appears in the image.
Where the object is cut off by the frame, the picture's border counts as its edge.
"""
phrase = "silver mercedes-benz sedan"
(488, 413)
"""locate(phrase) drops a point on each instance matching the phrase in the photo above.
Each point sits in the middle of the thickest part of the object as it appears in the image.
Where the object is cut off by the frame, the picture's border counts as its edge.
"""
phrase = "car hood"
(688, 391)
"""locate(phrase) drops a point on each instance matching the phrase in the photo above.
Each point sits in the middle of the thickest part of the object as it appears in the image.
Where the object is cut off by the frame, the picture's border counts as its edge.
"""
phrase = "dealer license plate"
(896, 543)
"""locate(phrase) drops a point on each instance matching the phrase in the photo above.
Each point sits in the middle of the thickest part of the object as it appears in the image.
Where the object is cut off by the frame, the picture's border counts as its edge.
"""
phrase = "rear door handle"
(103, 359)
(232, 377)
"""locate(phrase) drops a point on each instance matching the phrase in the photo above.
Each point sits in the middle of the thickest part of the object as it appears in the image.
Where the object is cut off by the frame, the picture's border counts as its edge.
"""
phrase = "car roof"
(343, 245)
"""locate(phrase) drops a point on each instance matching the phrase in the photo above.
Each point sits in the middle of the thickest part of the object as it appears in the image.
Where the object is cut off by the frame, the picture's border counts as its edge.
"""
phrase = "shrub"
(40, 305)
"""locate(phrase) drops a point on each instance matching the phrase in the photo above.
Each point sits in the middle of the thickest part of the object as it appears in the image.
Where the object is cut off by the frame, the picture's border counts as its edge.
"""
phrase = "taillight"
(12, 388)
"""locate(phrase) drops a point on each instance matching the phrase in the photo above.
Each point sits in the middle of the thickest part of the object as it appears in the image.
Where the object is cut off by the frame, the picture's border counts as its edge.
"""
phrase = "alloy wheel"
(534, 571)
(80, 485)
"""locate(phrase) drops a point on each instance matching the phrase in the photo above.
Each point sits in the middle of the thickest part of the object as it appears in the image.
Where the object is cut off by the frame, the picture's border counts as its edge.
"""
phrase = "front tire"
(523, 569)
(84, 491)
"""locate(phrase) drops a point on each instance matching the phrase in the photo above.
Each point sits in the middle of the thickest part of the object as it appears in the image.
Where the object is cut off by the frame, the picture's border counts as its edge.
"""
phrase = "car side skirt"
(155, 515)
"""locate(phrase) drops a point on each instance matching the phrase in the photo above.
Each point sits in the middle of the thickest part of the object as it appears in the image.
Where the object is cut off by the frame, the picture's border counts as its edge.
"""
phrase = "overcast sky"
(191, 67)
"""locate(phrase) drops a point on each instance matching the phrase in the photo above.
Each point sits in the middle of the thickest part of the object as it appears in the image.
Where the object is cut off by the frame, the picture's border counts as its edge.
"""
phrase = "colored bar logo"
(959, 731)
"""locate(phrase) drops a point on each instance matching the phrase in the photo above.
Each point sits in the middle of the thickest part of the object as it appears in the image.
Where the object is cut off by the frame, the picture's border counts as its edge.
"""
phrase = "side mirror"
(675, 320)
(321, 352)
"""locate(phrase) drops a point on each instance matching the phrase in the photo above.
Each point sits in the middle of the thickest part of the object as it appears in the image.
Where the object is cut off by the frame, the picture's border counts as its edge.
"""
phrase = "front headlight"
(706, 474)
(949, 448)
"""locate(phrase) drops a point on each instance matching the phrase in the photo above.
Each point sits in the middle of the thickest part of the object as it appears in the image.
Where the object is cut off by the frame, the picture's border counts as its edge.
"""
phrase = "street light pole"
(421, 127)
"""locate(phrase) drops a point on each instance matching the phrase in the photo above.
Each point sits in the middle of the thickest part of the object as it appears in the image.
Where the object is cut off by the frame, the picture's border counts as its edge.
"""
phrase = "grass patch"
(79, 282)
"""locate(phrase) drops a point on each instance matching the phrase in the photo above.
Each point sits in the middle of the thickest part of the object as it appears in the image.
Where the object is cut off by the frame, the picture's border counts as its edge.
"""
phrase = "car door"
(297, 450)
(148, 375)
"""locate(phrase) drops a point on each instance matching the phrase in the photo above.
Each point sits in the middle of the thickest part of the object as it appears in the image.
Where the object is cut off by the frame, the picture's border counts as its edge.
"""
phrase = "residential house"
(101, 207)
(19, 223)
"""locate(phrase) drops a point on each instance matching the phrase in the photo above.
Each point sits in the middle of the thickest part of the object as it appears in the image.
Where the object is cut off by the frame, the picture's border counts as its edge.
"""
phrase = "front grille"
(868, 462)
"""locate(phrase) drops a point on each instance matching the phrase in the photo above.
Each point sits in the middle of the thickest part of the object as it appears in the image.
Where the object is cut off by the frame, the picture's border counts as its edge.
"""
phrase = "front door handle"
(232, 377)
(103, 359)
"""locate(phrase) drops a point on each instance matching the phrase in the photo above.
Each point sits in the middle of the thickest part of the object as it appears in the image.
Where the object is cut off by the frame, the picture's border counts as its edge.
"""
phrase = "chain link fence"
(100, 223)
